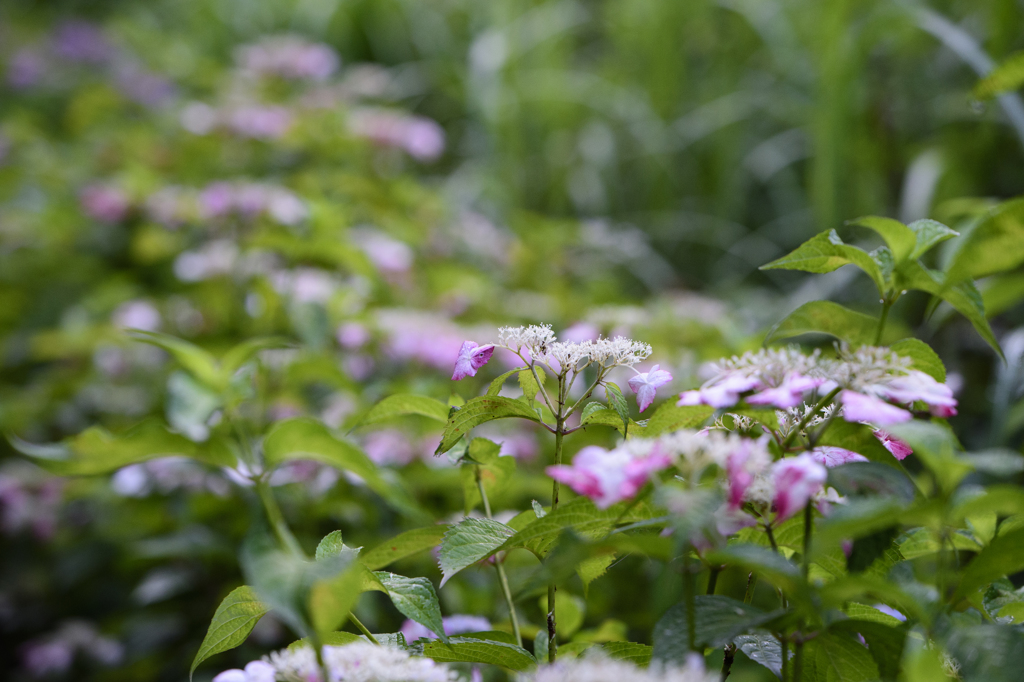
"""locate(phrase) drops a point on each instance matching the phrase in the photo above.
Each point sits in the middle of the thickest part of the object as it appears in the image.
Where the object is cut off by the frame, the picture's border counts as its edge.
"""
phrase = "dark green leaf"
(922, 356)
(762, 647)
(478, 411)
(838, 656)
(1003, 556)
(232, 622)
(617, 402)
(468, 542)
(469, 650)
(718, 621)
(872, 478)
(884, 643)
(416, 599)
(402, 546)
(825, 317)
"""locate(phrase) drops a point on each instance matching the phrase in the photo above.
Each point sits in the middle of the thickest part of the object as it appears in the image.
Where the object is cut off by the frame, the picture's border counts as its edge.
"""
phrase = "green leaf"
(589, 409)
(1003, 556)
(328, 639)
(483, 459)
(97, 451)
(617, 402)
(936, 446)
(928, 234)
(858, 518)
(416, 599)
(837, 656)
(884, 643)
(303, 438)
(762, 647)
(403, 404)
(569, 612)
(900, 238)
(872, 478)
(468, 542)
(469, 650)
(671, 417)
(403, 545)
(718, 621)
(478, 411)
(863, 612)
(330, 545)
(1005, 77)
(826, 252)
(993, 246)
(198, 362)
(922, 356)
(825, 317)
(232, 622)
(529, 385)
(771, 566)
(874, 588)
(243, 352)
(331, 600)
(603, 416)
(963, 296)
(497, 384)
(1002, 292)
(637, 654)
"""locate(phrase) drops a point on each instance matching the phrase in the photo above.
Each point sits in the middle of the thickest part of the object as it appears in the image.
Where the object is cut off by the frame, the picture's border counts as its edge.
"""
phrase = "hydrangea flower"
(471, 358)
(831, 456)
(646, 385)
(858, 407)
(797, 480)
(898, 448)
(356, 662)
(596, 667)
(610, 476)
(457, 624)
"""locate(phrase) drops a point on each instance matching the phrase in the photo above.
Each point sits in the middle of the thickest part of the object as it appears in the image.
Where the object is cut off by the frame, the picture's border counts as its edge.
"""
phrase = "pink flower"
(457, 624)
(471, 358)
(105, 204)
(919, 386)
(797, 479)
(787, 394)
(725, 393)
(898, 448)
(740, 475)
(607, 476)
(831, 456)
(858, 407)
(646, 385)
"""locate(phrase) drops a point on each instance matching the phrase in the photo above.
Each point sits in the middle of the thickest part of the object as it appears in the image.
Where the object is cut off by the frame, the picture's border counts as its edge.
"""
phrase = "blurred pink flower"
(787, 394)
(26, 68)
(390, 256)
(260, 122)
(797, 479)
(724, 393)
(858, 407)
(608, 476)
(739, 467)
(352, 335)
(81, 41)
(831, 456)
(389, 447)
(255, 671)
(421, 138)
(898, 448)
(471, 358)
(104, 203)
(137, 315)
(646, 385)
(916, 386)
(289, 57)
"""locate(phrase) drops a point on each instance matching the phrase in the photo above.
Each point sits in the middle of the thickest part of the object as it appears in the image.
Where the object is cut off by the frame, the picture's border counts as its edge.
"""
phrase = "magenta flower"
(724, 393)
(646, 385)
(858, 407)
(740, 475)
(607, 476)
(919, 386)
(898, 448)
(471, 358)
(797, 479)
(787, 394)
(831, 456)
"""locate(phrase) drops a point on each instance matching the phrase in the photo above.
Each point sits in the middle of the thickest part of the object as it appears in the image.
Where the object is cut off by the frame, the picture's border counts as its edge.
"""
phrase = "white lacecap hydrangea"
(536, 338)
(600, 668)
(772, 364)
(355, 662)
(542, 344)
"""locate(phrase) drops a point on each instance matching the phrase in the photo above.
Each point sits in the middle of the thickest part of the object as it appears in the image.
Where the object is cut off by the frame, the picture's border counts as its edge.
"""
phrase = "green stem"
(276, 519)
(691, 602)
(748, 595)
(808, 528)
(363, 629)
(785, 659)
(713, 579)
(886, 304)
(559, 434)
(502, 578)
(727, 659)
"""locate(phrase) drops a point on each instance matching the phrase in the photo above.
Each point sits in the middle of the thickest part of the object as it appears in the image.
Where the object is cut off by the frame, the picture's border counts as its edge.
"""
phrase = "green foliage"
(479, 411)
(825, 317)
(827, 252)
(469, 541)
(483, 460)
(719, 620)
(403, 404)
(404, 545)
(1009, 75)
(617, 402)
(232, 622)
(469, 650)
(415, 598)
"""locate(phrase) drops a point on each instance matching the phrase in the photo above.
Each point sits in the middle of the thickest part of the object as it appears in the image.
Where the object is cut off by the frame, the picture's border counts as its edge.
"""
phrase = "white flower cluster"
(696, 450)
(866, 367)
(769, 365)
(790, 418)
(355, 662)
(542, 343)
(600, 668)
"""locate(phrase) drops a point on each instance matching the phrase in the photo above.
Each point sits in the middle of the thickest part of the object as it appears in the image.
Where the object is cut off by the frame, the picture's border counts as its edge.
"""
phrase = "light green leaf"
(929, 233)
(330, 545)
(936, 446)
(1005, 77)
(1002, 292)
(993, 246)
(198, 362)
(416, 599)
(529, 385)
(303, 438)
(496, 385)
(826, 252)
(569, 612)
(243, 352)
(604, 416)
(671, 417)
(327, 638)
(963, 296)
(483, 459)
(922, 357)
(718, 621)
(863, 612)
(403, 404)
(478, 411)
(332, 599)
(771, 566)
(469, 650)
(1003, 556)
(825, 317)
(617, 402)
(232, 622)
(403, 545)
(589, 409)
(637, 654)
(900, 238)
(468, 542)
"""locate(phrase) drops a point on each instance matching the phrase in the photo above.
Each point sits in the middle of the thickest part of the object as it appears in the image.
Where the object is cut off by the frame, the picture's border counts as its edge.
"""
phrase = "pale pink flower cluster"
(290, 57)
(54, 654)
(104, 203)
(877, 385)
(458, 624)
(596, 667)
(173, 205)
(355, 662)
(421, 138)
(251, 120)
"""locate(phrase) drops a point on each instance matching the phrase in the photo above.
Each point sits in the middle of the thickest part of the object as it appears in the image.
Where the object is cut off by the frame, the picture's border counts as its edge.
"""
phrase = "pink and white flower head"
(858, 407)
(831, 456)
(646, 385)
(797, 480)
(744, 462)
(918, 386)
(471, 358)
(610, 476)
(457, 624)
(780, 376)
(898, 448)
(789, 393)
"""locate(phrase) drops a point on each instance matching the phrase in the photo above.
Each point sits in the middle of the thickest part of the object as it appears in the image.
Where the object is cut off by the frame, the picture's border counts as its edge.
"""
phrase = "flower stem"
(691, 602)
(809, 416)
(808, 528)
(502, 578)
(886, 304)
(276, 519)
(362, 628)
(559, 434)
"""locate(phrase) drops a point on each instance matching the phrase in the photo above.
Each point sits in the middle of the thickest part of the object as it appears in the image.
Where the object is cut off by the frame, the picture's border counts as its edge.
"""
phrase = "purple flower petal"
(831, 456)
(797, 479)
(858, 407)
(646, 385)
(471, 358)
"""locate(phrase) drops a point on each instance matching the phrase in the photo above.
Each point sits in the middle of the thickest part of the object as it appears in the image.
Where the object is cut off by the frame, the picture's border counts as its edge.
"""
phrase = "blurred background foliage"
(435, 169)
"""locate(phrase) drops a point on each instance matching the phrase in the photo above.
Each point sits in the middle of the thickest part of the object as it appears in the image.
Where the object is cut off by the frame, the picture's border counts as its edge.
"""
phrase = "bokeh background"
(378, 180)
